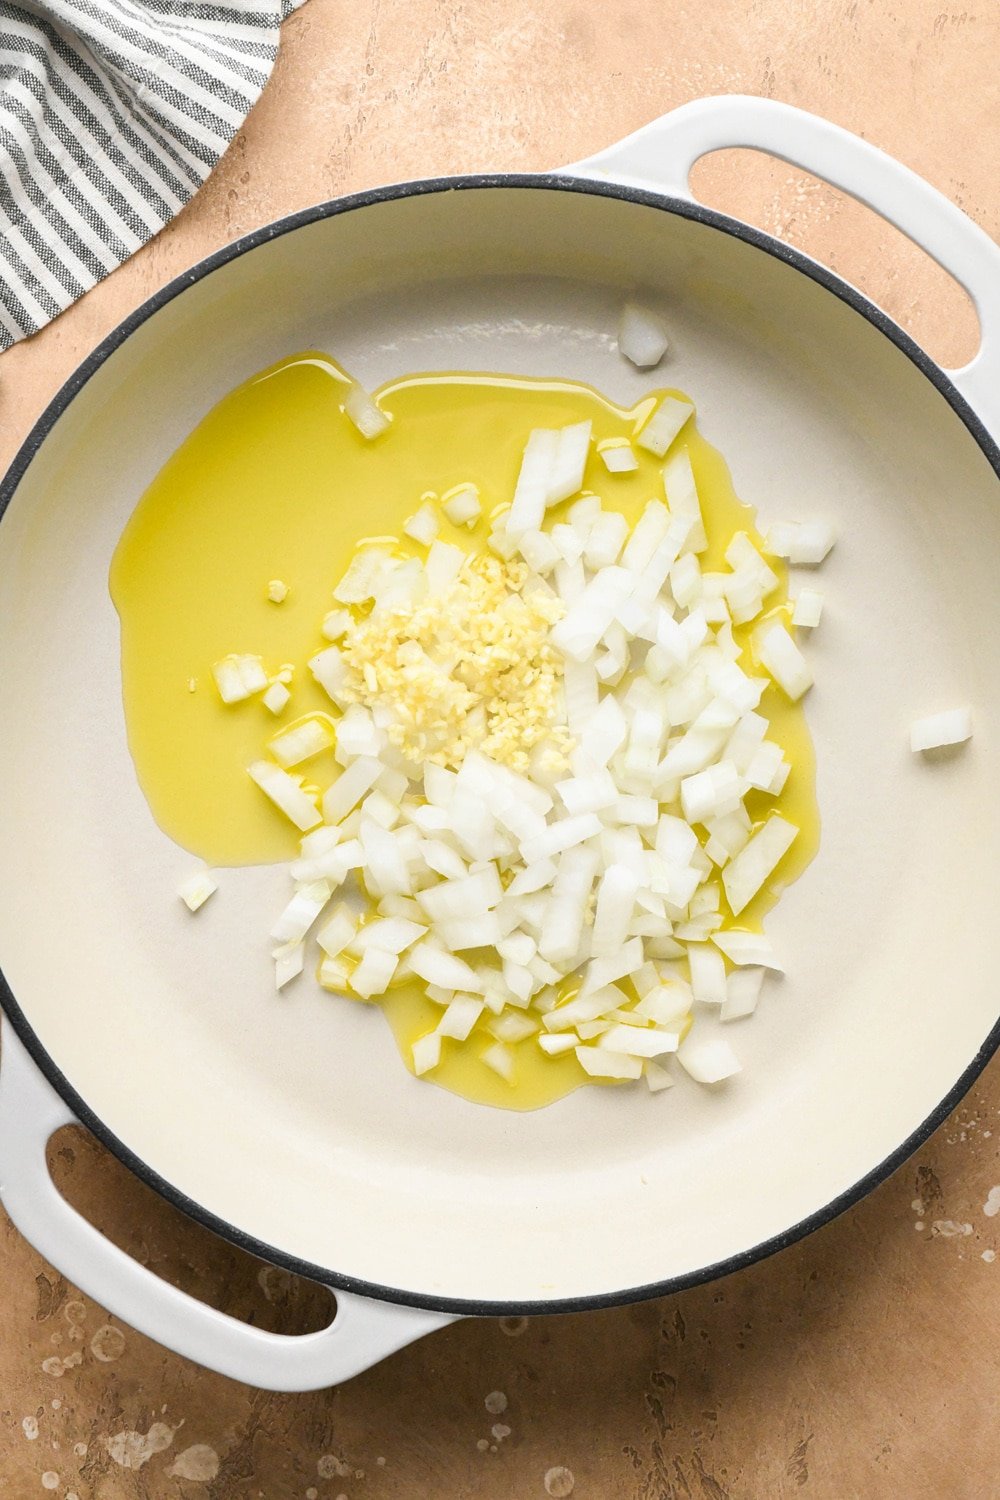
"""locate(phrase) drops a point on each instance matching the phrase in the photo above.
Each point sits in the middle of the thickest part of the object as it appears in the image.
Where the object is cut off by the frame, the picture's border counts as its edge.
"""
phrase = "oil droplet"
(108, 1343)
(559, 1482)
(989, 1256)
(50, 1480)
(495, 1403)
(80, 1449)
(312, 1493)
(75, 1312)
(56, 1404)
(992, 1205)
(500, 1430)
(483, 1444)
(30, 1428)
(513, 1327)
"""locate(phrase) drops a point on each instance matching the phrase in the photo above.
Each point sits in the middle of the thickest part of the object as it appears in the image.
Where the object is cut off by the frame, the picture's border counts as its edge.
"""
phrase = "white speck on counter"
(30, 1428)
(50, 1480)
(992, 1205)
(559, 1482)
(495, 1403)
(108, 1343)
(330, 1467)
(380, 1462)
(197, 1462)
(312, 1492)
(513, 1327)
(948, 1229)
(917, 1205)
(500, 1430)
(56, 1404)
(133, 1449)
(989, 1256)
(483, 1444)
(75, 1311)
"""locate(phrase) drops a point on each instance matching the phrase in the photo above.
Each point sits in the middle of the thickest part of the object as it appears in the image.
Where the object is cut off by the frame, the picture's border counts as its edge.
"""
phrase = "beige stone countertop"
(861, 1363)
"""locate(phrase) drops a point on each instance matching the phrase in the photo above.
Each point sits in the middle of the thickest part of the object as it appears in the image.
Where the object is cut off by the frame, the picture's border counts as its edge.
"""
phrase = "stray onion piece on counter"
(546, 747)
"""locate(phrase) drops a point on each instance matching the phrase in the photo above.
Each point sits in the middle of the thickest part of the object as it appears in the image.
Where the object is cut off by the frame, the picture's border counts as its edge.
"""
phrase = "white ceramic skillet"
(290, 1126)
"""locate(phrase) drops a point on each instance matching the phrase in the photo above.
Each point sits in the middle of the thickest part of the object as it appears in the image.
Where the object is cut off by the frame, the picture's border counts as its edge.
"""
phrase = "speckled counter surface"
(858, 1365)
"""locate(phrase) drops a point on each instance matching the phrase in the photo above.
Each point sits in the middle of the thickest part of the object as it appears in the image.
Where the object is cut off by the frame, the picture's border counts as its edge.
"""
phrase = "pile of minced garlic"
(466, 664)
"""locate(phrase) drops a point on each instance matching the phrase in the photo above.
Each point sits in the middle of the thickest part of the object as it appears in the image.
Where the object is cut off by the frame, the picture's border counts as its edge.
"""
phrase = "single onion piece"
(368, 418)
(301, 912)
(555, 1044)
(460, 1015)
(664, 425)
(335, 934)
(423, 526)
(802, 542)
(742, 993)
(619, 458)
(707, 1061)
(601, 1064)
(374, 973)
(782, 658)
(708, 974)
(808, 608)
(195, 890)
(238, 677)
(747, 948)
(565, 478)
(276, 698)
(642, 336)
(744, 876)
(286, 794)
(657, 1078)
(434, 966)
(681, 490)
(953, 727)
(639, 1041)
(426, 1053)
(462, 506)
(288, 963)
(391, 934)
(301, 741)
(500, 1059)
(531, 492)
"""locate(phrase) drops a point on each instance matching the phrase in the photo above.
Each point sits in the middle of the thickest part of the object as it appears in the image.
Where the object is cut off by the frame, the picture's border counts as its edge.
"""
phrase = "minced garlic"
(470, 667)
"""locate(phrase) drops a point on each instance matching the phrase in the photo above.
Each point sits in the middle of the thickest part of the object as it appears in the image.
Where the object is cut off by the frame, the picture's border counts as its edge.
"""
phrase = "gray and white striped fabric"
(112, 114)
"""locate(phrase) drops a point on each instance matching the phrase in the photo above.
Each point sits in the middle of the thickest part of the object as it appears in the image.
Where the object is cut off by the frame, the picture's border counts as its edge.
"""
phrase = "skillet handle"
(362, 1332)
(661, 155)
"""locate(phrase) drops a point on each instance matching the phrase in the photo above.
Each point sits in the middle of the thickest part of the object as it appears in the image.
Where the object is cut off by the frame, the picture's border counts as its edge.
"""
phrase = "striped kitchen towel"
(112, 114)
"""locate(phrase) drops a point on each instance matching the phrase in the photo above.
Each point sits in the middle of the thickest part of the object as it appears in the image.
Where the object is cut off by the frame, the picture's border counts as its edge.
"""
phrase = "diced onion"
(276, 698)
(368, 418)
(286, 794)
(195, 889)
(601, 1064)
(642, 336)
(423, 526)
(952, 727)
(663, 426)
(707, 1060)
(239, 677)
(781, 657)
(802, 542)
(744, 876)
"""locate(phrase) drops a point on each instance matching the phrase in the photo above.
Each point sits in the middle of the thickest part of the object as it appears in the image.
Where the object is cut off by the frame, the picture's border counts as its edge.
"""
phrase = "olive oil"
(277, 484)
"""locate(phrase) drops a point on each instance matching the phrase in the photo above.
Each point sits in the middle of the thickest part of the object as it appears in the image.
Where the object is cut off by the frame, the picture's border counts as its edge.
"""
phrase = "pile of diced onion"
(587, 901)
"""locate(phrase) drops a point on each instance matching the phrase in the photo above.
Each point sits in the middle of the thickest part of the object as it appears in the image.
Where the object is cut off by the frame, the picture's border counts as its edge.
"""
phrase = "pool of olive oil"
(276, 483)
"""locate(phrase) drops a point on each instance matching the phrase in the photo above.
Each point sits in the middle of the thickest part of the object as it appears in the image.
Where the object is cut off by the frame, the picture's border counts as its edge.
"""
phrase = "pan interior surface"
(291, 1119)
